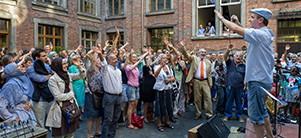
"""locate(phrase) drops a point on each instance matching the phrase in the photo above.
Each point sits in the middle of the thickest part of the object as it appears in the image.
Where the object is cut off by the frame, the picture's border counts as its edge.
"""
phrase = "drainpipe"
(141, 25)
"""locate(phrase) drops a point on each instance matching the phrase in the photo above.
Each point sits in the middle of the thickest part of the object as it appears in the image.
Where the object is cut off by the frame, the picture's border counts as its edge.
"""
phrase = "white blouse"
(160, 84)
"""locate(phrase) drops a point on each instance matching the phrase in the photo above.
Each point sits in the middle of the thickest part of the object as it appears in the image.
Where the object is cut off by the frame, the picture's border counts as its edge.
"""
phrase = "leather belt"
(200, 79)
(120, 94)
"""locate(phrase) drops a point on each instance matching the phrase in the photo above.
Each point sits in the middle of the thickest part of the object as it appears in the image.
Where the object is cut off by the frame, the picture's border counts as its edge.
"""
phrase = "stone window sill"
(115, 17)
(10, 2)
(89, 17)
(233, 36)
(49, 8)
(153, 13)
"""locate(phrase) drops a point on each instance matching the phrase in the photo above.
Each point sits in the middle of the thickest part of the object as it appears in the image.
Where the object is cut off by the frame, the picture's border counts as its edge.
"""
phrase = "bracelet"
(222, 19)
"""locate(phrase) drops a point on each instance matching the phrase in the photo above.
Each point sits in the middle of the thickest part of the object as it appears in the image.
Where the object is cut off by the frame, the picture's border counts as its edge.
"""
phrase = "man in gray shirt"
(259, 65)
(112, 84)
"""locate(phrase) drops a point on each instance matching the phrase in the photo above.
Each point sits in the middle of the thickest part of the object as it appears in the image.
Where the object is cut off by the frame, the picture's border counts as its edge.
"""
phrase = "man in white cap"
(259, 65)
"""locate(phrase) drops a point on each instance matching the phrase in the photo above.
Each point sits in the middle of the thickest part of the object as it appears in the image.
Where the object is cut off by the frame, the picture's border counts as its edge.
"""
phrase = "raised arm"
(229, 49)
(127, 43)
(186, 55)
(20, 52)
(287, 47)
(115, 40)
(139, 61)
(166, 43)
(231, 25)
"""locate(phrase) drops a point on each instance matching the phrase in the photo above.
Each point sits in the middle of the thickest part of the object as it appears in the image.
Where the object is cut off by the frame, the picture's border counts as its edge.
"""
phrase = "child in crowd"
(292, 92)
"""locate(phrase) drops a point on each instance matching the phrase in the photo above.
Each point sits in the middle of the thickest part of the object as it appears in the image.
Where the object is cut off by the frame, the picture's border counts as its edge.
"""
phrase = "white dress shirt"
(197, 74)
(111, 78)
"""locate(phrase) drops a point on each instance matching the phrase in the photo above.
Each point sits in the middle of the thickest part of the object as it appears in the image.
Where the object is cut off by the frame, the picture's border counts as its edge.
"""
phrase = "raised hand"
(234, 18)
(198, 46)
(96, 49)
(165, 41)
(182, 43)
(107, 43)
(116, 29)
(132, 50)
(287, 47)
(230, 46)
(51, 46)
(98, 43)
(20, 52)
(31, 50)
(219, 15)
(127, 43)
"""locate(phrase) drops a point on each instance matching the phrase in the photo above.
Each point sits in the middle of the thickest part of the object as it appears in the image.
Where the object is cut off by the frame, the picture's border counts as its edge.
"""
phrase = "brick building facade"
(69, 23)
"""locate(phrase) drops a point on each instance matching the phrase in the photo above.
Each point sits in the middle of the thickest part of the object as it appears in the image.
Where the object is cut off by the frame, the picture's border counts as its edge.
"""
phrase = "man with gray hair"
(234, 83)
(200, 75)
(259, 65)
(112, 84)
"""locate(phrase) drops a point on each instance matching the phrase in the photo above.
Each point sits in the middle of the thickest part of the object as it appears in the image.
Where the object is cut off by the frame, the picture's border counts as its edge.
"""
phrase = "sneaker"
(175, 117)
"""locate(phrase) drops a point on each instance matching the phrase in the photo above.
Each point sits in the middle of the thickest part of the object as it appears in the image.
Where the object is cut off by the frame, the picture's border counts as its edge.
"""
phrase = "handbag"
(97, 99)
(137, 121)
(70, 110)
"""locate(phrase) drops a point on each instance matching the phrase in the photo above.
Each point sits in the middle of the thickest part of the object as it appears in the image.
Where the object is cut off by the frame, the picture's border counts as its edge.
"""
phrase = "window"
(87, 6)
(47, 34)
(289, 30)
(111, 38)
(205, 14)
(115, 7)
(89, 39)
(158, 34)
(160, 5)
(4, 33)
(53, 2)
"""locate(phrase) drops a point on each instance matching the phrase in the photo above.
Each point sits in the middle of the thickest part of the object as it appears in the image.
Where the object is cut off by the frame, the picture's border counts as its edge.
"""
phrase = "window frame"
(52, 2)
(119, 10)
(218, 25)
(91, 40)
(88, 29)
(160, 28)
(53, 36)
(120, 41)
(12, 26)
(281, 29)
(51, 22)
(62, 9)
(6, 32)
(90, 9)
(150, 6)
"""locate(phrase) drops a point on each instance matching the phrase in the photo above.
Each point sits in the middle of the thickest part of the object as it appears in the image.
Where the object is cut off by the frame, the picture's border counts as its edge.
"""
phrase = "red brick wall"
(181, 20)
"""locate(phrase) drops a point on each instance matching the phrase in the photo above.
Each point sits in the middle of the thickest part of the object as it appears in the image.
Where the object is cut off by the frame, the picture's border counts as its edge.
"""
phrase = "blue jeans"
(220, 105)
(257, 110)
(112, 110)
(233, 93)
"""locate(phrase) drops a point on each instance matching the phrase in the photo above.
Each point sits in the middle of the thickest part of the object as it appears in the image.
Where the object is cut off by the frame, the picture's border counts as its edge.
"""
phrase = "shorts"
(257, 110)
(132, 93)
(124, 87)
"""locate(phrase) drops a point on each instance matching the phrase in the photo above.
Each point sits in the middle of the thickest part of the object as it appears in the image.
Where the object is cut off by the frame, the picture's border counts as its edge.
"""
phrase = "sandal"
(160, 128)
(169, 126)
(131, 126)
(97, 135)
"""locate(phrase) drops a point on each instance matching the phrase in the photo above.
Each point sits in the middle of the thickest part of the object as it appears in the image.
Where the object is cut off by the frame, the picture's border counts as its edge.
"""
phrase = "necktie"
(202, 69)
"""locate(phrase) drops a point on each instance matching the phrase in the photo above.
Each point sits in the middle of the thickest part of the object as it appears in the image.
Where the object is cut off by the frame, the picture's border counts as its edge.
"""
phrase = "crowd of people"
(109, 83)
